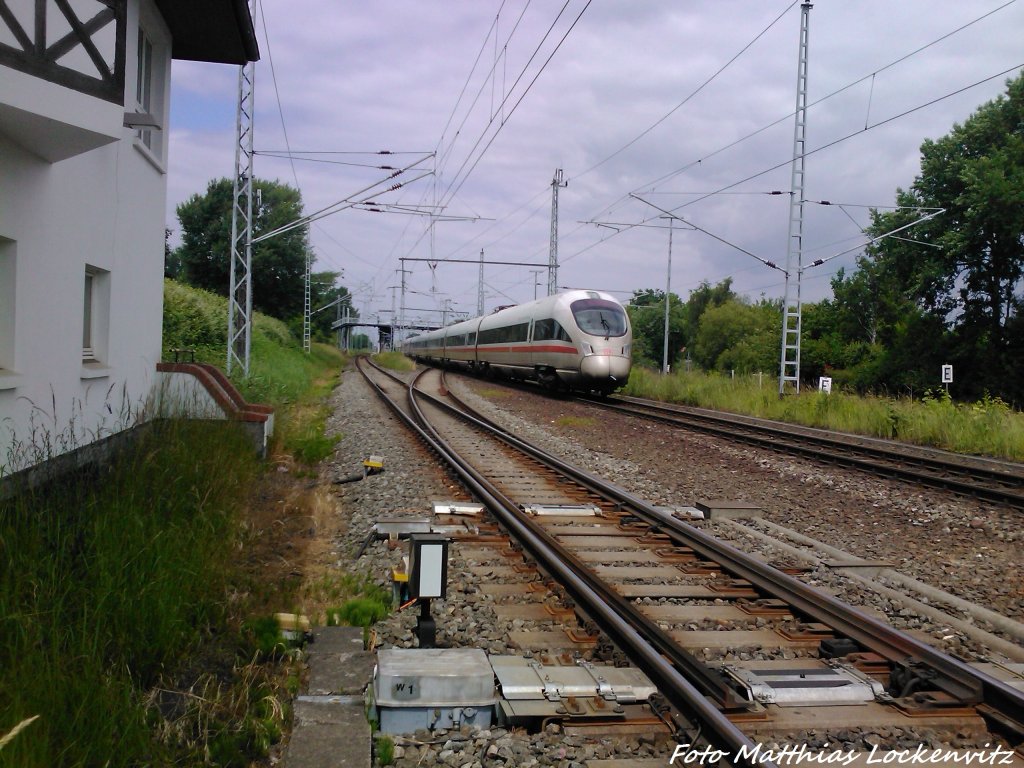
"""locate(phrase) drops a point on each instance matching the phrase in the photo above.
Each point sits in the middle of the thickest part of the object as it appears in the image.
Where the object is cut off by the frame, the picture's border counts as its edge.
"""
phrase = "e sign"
(947, 374)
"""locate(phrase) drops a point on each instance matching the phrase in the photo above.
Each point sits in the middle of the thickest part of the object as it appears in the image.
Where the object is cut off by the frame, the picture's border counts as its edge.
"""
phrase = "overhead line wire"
(446, 197)
(650, 187)
(452, 188)
(693, 93)
(277, 93)
(814, 151)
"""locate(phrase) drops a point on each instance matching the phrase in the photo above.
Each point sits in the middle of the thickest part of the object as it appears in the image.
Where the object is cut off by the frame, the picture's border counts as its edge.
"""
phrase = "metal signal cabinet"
(433, 688)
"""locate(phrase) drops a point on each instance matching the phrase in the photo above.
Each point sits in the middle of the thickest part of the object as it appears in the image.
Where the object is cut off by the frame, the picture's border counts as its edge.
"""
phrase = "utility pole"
(240, 287)
(306, 325)
(789, 366)
(556, 182)
(668, 289)
(337, 316)
(401, 310)
(480, 288)
(536, 281)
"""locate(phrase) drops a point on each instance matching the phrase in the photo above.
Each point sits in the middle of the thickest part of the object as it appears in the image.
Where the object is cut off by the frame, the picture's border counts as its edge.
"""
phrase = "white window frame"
(144, 85)
(150, 90)
(8, 317)
(95, 321)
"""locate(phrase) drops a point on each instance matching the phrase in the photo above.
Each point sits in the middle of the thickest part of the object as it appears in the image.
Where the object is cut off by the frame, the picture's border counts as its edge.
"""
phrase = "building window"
(95, 315)
(149, 100)
(8, 297)
(144, 86)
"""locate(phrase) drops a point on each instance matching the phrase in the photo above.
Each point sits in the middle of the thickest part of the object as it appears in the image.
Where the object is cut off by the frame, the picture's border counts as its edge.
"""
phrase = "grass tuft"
(988, 427)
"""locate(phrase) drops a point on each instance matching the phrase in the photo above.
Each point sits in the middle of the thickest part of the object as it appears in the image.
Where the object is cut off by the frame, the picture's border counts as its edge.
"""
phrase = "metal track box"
(433, 688)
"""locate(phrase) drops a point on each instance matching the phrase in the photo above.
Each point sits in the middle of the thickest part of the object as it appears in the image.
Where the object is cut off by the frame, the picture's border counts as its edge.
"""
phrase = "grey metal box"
(433, 688)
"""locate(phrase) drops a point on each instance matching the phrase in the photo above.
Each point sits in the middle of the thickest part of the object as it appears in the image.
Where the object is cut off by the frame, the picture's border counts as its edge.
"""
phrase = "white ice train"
(577, 340)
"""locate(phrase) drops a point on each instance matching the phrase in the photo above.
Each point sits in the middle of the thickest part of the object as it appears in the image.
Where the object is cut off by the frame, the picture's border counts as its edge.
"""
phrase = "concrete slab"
(330, 728)
(328, 736)
(680, 591)
(682, 614)
(590, 526)
(514, 589)
(503, 572)
(620, 572)
(867, 716)
(532, 612)
(594, 541)
(718, 508)
(545, 640)
(762, 638)
(635, 556)
(337, 662)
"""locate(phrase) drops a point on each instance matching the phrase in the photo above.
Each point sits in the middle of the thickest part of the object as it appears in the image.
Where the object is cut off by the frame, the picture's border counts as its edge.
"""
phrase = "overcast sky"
(486, 99)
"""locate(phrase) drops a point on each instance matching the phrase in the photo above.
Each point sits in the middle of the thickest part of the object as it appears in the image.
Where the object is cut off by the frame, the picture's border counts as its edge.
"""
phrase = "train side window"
(544, 329)
(559, 333)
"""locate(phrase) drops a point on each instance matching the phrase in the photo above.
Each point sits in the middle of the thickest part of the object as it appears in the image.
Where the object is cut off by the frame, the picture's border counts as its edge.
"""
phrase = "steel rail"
(952, 675)
(709, 424)
(711, 683)
(679, 691)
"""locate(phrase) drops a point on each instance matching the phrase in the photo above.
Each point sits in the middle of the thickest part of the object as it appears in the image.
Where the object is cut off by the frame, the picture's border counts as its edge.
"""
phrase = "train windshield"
(599, 317)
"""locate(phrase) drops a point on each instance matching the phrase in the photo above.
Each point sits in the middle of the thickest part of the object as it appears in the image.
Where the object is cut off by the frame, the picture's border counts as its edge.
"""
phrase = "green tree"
(964, 269)
(172, 261)
(737, 335)
(647, 318)
(278, 263)
(701, 299)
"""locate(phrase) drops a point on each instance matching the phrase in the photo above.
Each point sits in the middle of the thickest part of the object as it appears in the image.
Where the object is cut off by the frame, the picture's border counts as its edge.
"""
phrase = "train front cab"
(606, 344)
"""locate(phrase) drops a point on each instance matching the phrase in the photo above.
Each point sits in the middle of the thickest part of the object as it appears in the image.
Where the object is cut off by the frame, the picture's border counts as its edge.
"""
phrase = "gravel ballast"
(964, 547)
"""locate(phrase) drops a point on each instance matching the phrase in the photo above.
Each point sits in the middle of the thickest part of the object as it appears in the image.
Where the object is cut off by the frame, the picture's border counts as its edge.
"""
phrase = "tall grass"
(988, 427)
(109, 581)
(123, 590)
(394, 360)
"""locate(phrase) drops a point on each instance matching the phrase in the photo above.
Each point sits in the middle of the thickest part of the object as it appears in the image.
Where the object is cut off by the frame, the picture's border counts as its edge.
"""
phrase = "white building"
(84, 102)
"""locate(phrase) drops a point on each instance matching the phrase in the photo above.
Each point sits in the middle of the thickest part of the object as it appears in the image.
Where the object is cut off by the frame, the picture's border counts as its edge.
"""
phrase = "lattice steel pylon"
(240, 288)
(306, 324)
(789, 366)
(556, 182)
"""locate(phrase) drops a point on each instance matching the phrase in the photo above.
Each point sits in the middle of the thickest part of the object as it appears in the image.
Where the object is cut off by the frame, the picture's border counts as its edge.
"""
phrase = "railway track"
(670, 596)
(990, 480)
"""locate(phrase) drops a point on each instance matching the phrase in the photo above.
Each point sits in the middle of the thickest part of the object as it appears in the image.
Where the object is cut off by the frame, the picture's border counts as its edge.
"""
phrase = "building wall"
(100, 210)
